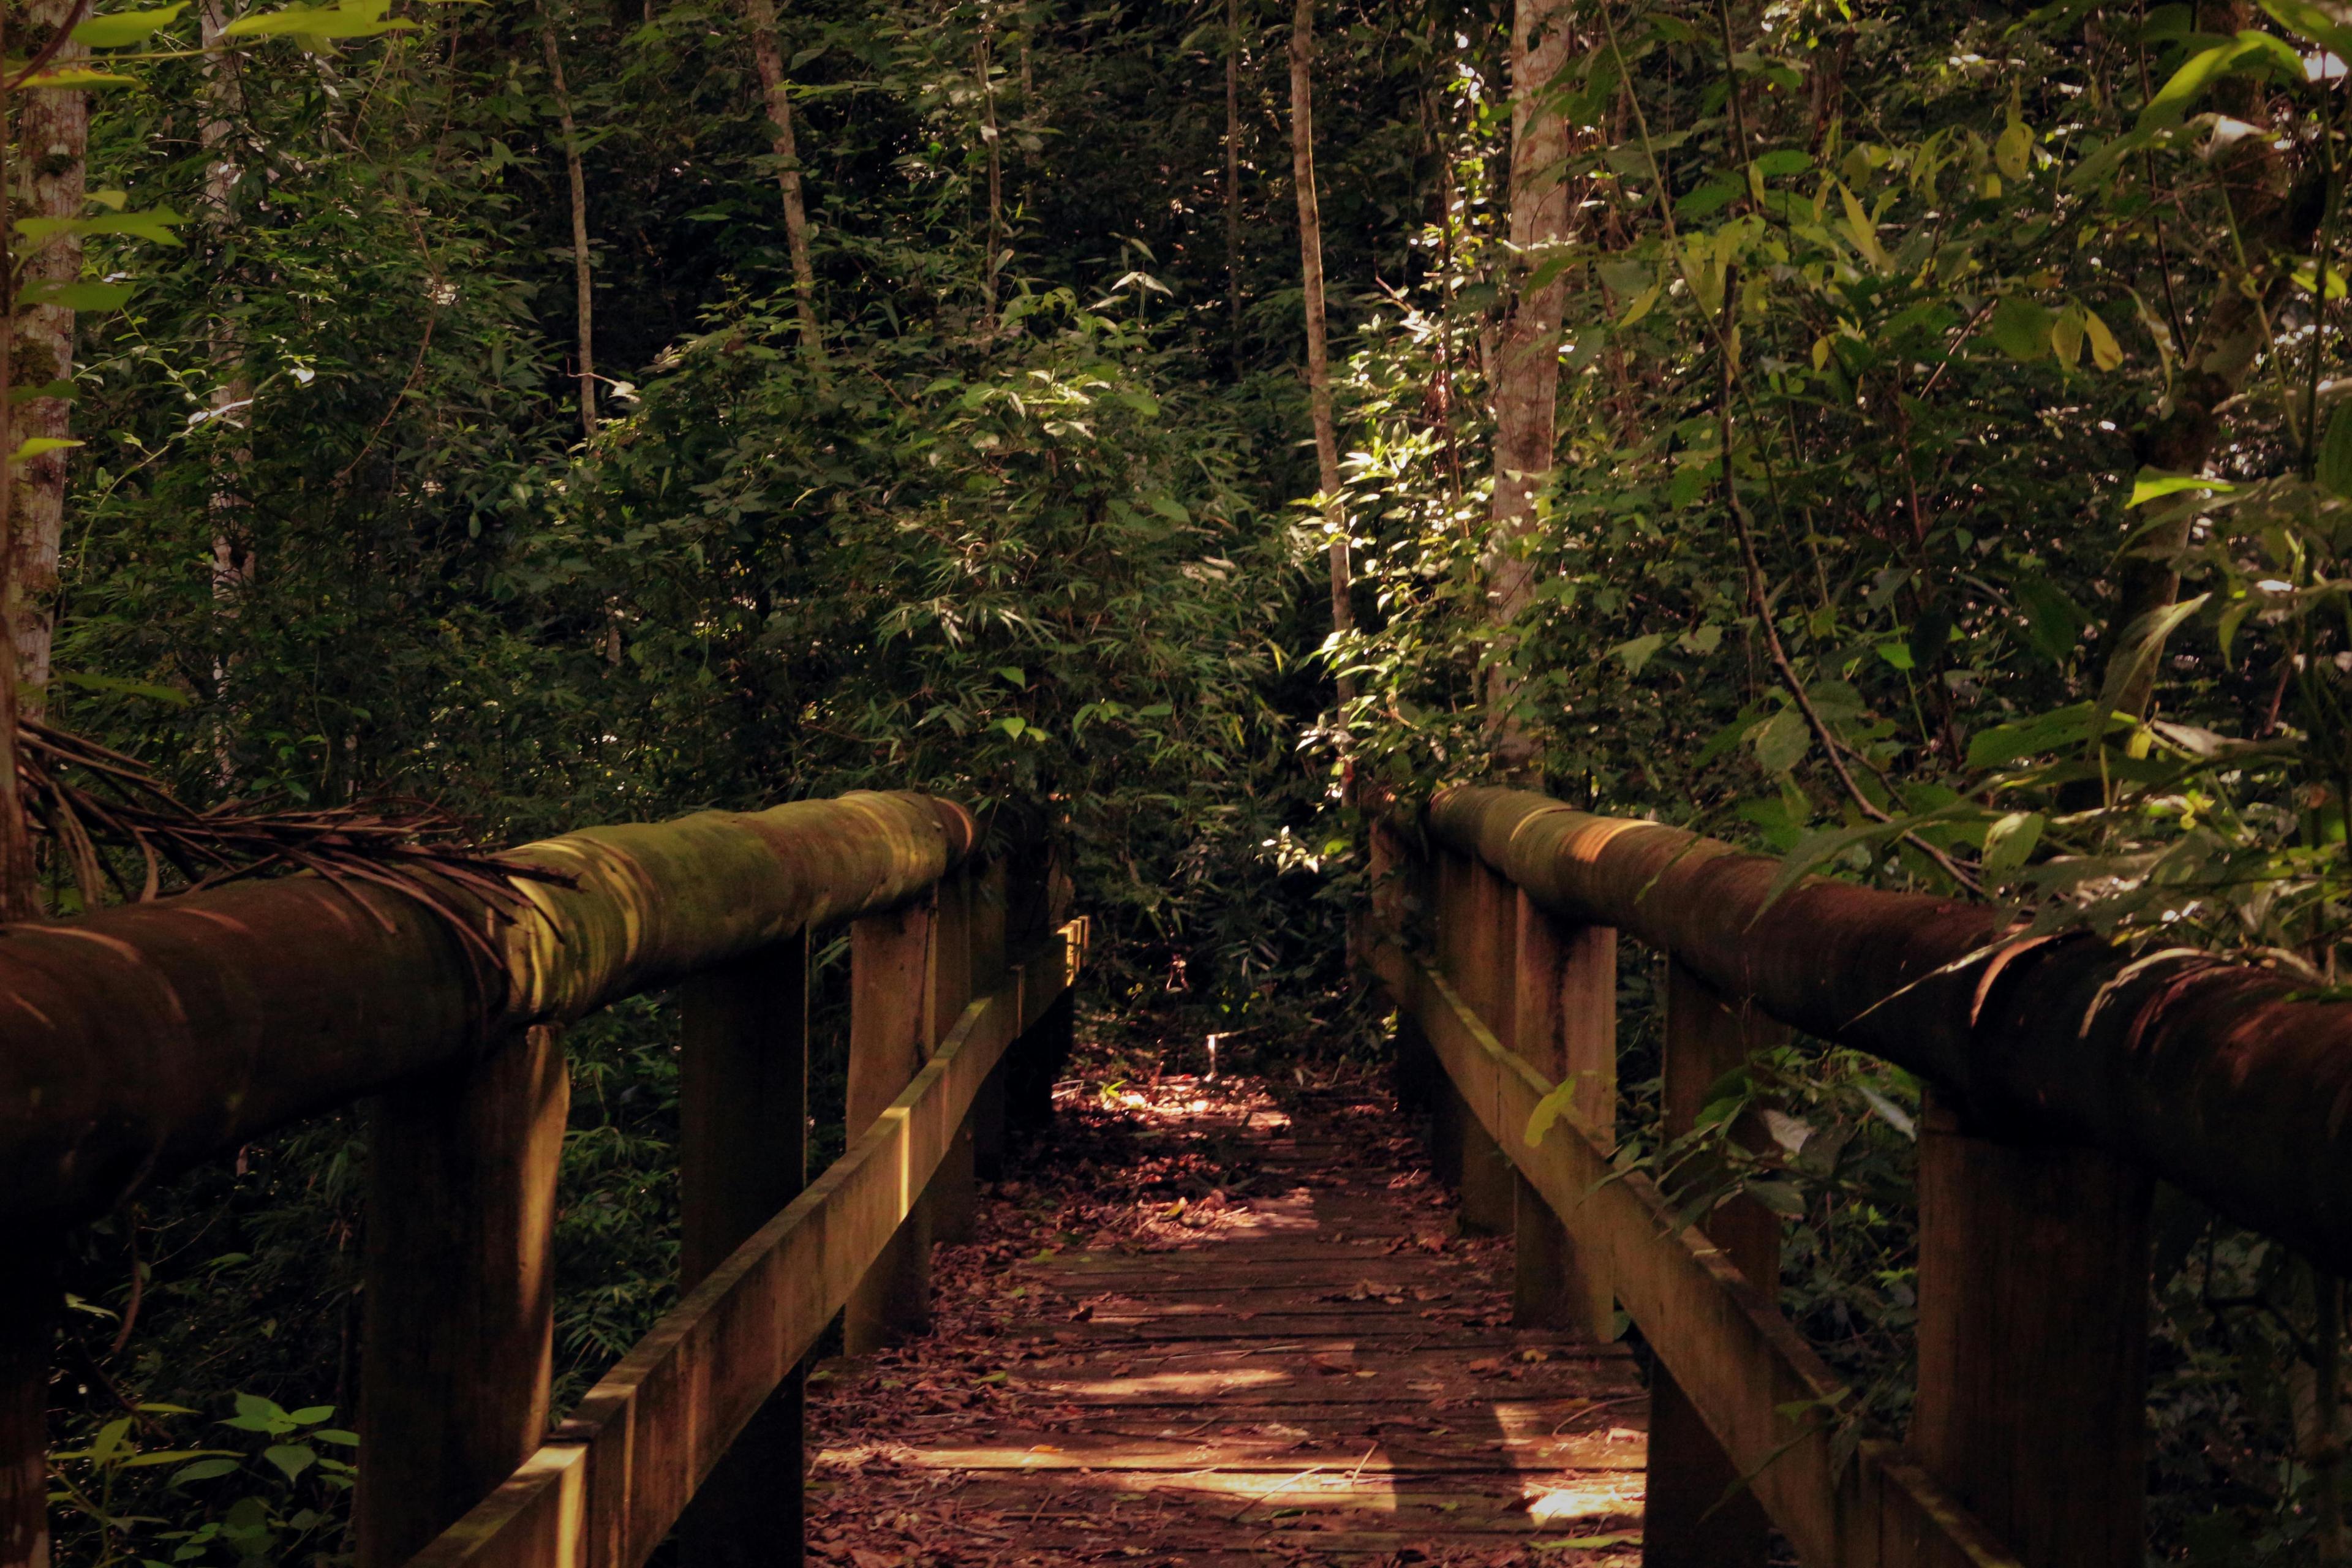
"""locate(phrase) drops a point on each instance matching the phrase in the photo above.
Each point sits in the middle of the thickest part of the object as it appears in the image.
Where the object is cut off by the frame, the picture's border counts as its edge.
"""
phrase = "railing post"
(30, 1294)
(2034, 1287)
(991, 964)
(890, 1033)
(953, 1193)
(459, 1339)
(1567, 1026)
(1686, 1520)
(743, 1155)
(1478, 927)
(1037, 896)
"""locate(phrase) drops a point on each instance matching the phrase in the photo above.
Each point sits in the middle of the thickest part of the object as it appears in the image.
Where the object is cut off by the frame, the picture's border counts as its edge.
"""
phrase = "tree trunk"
(19, 894)
(233, 560)
(771, 59)
(52, 136)
(581, 277)
(1526, 375)
(1318, 362)
(1234, 175)
(995, 143)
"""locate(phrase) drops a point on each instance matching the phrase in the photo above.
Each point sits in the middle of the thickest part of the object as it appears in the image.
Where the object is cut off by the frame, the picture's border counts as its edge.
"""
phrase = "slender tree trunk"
(1318, 362)
(1526, 376)
(52, 137)
(19, 894)
(771, 59)
(581, 277)
(1234, 175)
(995, 143)
(235, 563)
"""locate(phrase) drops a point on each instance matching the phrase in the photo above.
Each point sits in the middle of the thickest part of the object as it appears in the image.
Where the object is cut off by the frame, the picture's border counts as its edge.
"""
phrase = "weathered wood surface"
(1730, 1352)
(460, 1272)
(1324, 1371)
(2218, 1077)
(606, 1487)
(142, 1039)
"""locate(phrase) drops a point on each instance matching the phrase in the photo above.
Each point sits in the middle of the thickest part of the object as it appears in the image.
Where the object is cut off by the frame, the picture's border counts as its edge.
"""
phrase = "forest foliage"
(1950, 487)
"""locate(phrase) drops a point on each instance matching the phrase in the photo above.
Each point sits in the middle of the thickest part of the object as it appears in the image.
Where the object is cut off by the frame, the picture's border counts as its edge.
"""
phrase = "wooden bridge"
(2064, 1081)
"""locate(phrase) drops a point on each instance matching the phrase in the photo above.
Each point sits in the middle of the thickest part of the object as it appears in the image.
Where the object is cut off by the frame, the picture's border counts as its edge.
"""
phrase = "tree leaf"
(2105, 352)
(1635, 652)
(2022, 327)
(122, 28)
(1782, 740)
(2334, 469)
(291, 1457)
(2010, 841)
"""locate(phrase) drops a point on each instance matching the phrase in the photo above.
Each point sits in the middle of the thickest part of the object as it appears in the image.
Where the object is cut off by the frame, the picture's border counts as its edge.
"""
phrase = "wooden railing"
(2063, 1080)
(142, 1040)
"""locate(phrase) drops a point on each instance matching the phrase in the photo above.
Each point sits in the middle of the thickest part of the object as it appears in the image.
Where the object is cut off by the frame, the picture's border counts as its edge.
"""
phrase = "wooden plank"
(606, 1487)
(1725, 1343)
(743, 1137)
(459, 1345)
(2032, 1402)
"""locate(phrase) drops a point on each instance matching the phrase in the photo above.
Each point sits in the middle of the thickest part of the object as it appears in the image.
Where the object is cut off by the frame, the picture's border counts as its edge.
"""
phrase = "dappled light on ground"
(1222, 1322)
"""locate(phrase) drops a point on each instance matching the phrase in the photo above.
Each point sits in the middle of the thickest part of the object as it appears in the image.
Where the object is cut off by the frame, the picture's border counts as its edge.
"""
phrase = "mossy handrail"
(139, 1041)
(2062, 1078)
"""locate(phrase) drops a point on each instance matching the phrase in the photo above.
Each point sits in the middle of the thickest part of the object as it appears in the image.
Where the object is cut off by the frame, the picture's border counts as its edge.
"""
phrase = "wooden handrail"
(2060, 1079)
(2215, 1077)
(141, 1040)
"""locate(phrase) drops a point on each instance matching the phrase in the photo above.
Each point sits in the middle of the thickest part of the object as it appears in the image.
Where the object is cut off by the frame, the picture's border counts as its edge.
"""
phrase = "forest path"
(1208, 1323)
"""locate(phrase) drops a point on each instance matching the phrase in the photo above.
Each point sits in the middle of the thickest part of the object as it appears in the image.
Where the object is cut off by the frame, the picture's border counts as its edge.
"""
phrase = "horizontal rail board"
(1740, 1363)
(142, 1039)
(2213, 1076)
(611, 1480)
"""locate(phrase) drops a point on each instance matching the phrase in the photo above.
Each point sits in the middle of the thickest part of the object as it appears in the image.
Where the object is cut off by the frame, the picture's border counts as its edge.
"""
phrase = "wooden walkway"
(1209, 1328)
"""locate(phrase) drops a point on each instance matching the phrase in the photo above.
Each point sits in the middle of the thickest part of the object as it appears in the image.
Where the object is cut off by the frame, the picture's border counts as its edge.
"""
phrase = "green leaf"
(313, 25)
(2022, 327)
(1635, 652)
(1818, 848)
(1011, 674)
(76, 76)
(125, 687)
(2061, 730)
(1898, 655)
(2053, 622)
(2153, 484)
(2010, 841)
(291, 1457)
(1787, 161)
(2334, 468)
(155, 224)
(2105, 352)
(75, 296)
(113, 32)
(2141, 645)
(310, 1414)
(336, 1434)
(39, 446)
(174, 1457)
(1782, 740)
(2307, 20)
(204, 1470)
